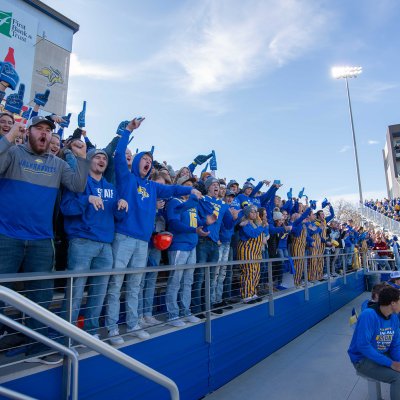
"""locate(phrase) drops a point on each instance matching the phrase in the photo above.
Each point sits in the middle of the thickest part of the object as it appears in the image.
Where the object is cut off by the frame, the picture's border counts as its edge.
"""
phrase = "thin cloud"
(344, 149)
(373, 142)
(226, 43)
(96, 70)
(372, 92)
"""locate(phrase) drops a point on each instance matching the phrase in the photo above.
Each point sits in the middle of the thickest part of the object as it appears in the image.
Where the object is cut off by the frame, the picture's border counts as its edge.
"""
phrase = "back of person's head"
(388, 295)
(376, 290)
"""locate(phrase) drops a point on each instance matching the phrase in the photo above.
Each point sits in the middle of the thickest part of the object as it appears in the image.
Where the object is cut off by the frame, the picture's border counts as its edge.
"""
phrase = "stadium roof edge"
(39, 5)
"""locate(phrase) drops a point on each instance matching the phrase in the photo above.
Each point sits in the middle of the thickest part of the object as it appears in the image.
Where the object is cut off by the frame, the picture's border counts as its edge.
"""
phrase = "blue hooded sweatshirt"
(182, 223)
(140, 193)
(376, 337)
(81, 220)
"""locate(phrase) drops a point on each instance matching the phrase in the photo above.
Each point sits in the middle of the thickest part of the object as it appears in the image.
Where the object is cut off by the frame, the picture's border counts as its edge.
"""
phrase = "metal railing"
(50, 319)
(379, 219)
(273, 282)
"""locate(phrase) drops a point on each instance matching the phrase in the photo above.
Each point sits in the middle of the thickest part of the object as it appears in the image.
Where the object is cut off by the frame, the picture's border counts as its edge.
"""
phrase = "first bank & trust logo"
(13, 28)
(5, 23)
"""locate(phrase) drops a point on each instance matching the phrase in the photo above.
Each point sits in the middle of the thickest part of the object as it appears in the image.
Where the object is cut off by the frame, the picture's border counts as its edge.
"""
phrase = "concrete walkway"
(314, 366)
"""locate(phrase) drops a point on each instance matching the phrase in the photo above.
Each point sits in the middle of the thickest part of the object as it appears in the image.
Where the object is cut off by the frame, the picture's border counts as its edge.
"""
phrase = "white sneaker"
(151, 321)
(52, 359)
(115, 338)
(138, 332)
(142, 323)
(177, 323)
(192, 319)
(247, 299)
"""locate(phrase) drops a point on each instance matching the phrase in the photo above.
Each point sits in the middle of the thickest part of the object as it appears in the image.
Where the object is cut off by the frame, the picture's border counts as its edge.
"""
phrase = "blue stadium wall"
(239, 341)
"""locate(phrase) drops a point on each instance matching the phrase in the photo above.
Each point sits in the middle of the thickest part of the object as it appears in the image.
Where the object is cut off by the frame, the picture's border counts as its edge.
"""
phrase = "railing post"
(207, 289)
(344, 269)
(306, 292)
(328, 268)
(67, 366)
(271, 304)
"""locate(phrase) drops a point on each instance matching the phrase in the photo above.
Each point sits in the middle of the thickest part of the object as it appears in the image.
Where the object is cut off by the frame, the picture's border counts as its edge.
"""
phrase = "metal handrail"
(20, 277)
(12, 394)
(380, 219)
(48, 318)
(50, 343)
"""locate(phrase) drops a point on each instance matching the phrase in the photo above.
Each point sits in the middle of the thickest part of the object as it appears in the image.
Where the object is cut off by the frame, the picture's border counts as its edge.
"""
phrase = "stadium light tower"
(346, 73)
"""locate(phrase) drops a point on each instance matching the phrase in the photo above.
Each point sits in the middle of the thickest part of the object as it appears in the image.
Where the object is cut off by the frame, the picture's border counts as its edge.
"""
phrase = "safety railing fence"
(161, 299)
(48, 318)
(380, 219)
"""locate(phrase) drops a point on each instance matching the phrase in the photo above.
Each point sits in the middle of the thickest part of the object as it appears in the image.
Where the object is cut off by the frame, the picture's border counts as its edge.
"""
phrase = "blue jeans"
(84, 254)
(180, 282)
(148, 285)
(349, 257)
(264, 268)
(128, 253)
(283, 253)
(206, 251)
(228, 278)
(30, 256)
(223, 256)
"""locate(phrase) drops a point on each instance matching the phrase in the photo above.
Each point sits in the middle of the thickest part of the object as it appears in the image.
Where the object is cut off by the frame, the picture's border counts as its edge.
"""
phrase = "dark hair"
(377, 289)
(319, 213)
(6, 114)
(387, 295)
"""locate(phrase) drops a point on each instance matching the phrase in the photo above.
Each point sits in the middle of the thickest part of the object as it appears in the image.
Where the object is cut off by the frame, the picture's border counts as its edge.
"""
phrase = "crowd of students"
(110, 209)
(388, 207)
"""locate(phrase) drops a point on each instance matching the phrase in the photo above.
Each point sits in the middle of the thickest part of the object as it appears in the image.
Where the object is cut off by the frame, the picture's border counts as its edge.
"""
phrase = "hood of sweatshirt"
(136, 162)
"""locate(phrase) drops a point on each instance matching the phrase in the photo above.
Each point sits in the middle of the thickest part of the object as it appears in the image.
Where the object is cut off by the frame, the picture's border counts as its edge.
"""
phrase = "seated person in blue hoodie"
(186, 226)
(89, 225)
(376, 289)
(133, 232)
(375, 346)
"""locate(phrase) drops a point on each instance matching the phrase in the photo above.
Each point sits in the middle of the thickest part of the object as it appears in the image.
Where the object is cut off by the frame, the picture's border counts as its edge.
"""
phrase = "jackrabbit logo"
(52, 74)
(5, 23)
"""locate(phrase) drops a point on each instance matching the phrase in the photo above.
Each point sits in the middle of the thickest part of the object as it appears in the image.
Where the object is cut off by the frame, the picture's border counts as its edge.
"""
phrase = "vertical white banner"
(18, 32)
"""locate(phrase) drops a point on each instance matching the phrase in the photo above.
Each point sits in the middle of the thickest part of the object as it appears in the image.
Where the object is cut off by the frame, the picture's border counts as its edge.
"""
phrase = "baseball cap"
(39, 119)
(230, 193)
(185, 178)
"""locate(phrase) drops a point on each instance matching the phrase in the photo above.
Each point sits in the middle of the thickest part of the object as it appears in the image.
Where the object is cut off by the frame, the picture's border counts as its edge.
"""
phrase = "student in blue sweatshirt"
(375, 346)
(89, 225)
(133, 232)
(31, 178)
(207, 248)
(186, 226)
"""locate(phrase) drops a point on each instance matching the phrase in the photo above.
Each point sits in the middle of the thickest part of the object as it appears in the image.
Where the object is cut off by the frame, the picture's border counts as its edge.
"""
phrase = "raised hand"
(8, 75)
(213, 162)
(15, 101)
(41, 98)
(266, 183)
(79, 148)
(66, 121)
(201, 159)
(134, 124)
(121, 127)
(325, 203)
(82, 116)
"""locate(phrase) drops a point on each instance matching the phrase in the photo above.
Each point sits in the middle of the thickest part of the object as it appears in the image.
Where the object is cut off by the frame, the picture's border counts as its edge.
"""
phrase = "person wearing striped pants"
(249, 249)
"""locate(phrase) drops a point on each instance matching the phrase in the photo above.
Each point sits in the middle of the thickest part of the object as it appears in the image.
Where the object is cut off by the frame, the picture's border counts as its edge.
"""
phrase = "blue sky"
(247, 78)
